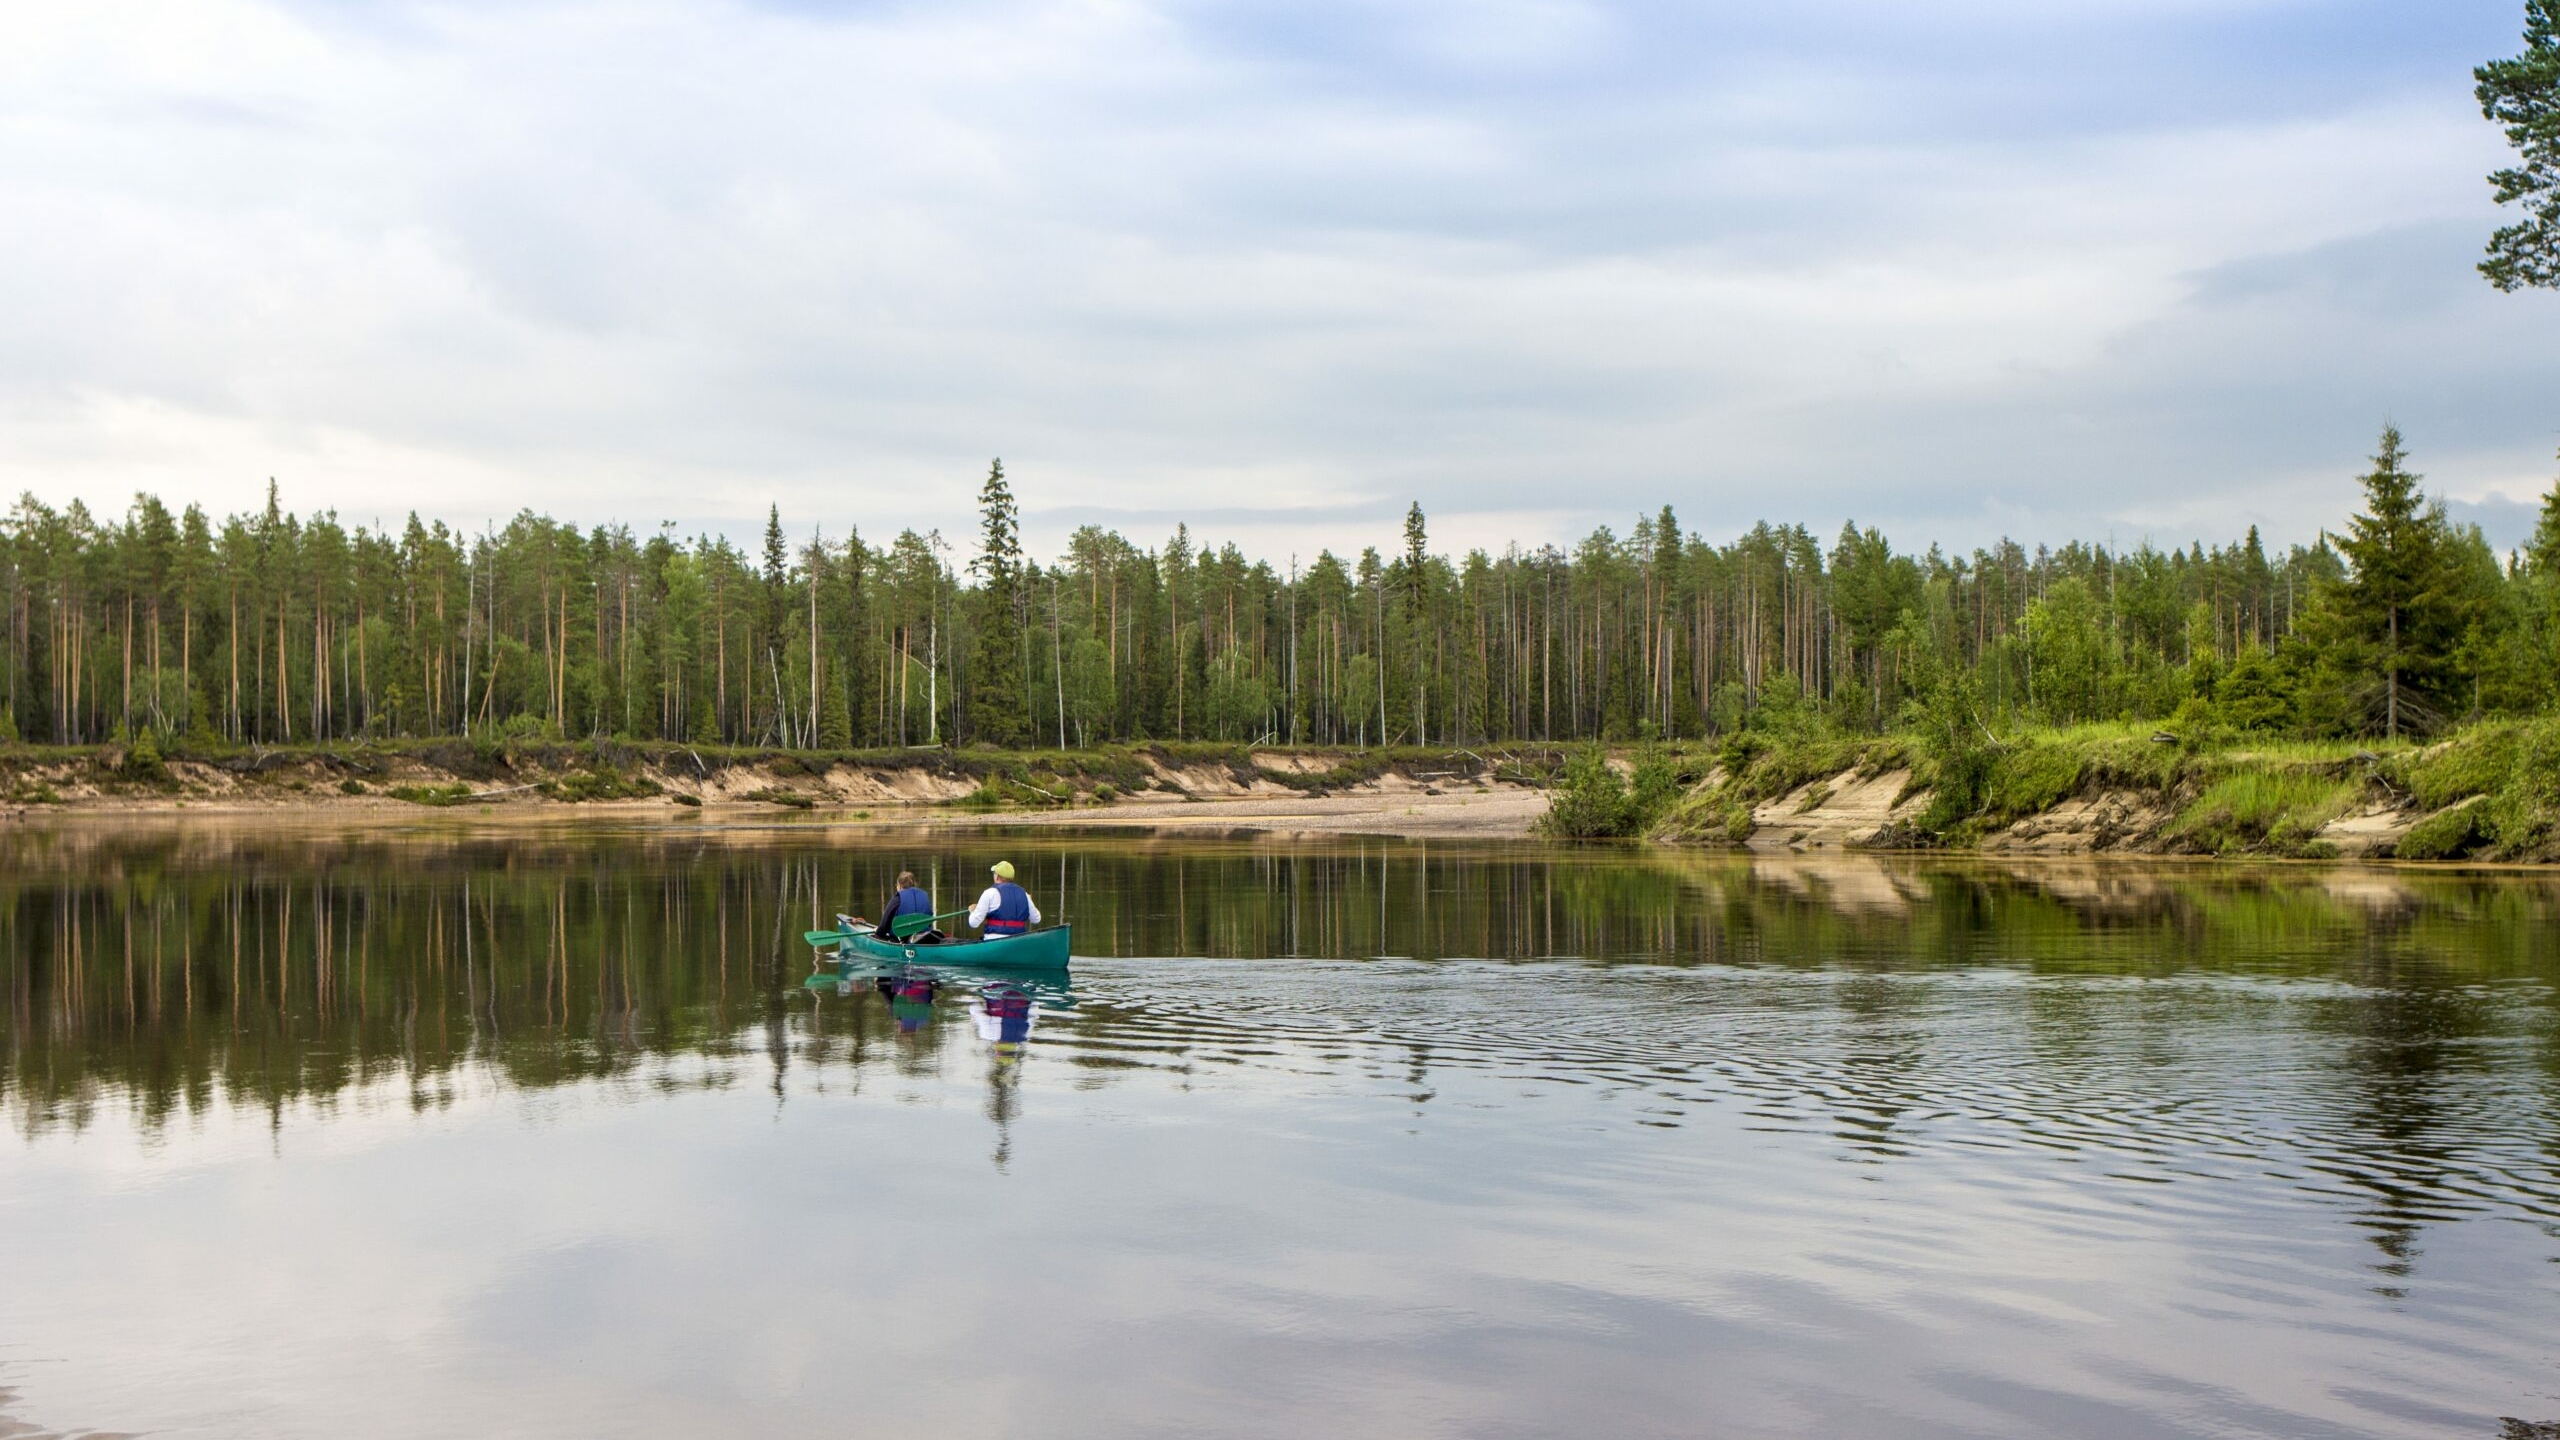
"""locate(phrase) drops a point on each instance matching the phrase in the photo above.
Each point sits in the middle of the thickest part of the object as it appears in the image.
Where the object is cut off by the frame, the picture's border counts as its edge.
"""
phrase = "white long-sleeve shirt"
(988, 902)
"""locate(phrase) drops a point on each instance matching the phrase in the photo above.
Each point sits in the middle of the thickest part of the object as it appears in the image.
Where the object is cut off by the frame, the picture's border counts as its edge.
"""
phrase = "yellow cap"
(1004, 869)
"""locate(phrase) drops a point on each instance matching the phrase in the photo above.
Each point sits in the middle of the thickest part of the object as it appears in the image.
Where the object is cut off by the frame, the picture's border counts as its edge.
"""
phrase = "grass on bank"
(2487, 790)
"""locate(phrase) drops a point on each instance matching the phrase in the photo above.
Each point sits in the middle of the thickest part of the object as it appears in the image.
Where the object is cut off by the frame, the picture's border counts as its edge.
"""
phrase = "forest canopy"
(270, 628)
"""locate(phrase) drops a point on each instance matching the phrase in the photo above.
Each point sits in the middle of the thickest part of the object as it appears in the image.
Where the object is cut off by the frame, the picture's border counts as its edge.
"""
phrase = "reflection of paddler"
(1003, 1014)
(910, 994)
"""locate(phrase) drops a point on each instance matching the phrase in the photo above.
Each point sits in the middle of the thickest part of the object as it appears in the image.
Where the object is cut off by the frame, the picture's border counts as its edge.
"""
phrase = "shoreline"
(1498, 813)
(1196, 789)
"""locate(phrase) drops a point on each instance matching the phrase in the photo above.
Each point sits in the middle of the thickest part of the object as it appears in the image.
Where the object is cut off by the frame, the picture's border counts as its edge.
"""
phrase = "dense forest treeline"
(270, 628)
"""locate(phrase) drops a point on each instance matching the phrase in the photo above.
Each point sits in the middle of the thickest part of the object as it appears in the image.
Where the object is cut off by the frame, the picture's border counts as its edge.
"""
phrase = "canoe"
(1031, 950)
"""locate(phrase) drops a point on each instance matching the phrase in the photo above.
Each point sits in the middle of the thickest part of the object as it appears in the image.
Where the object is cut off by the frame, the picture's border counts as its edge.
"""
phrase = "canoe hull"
(1033, 950)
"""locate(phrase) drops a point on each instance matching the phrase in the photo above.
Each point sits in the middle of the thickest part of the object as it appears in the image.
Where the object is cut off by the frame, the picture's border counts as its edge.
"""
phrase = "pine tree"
(2522, 94)
(835, 717)
(997, 712)
(2390, 627)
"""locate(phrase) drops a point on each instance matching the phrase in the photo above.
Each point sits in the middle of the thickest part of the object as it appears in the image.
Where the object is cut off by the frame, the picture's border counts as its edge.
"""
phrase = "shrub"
(2478, 763)
(142, 760)
(599, 785)
(453, 794)
(684, 799)
(351, 786)
(775, 795)
(2031, 778)
(1593, 801)
(2449, 834)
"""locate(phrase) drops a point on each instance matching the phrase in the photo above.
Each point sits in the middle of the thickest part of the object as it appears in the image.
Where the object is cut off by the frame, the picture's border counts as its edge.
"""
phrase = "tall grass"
(2274, 810)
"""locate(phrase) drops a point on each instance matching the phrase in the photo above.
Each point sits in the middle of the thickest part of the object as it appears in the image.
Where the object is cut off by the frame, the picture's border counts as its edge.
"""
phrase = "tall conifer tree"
(2522, 94)
(2391, 626)
(997, 713)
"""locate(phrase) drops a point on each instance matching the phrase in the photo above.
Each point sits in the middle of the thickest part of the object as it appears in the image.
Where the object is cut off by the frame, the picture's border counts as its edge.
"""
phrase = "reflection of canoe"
(1032, 950)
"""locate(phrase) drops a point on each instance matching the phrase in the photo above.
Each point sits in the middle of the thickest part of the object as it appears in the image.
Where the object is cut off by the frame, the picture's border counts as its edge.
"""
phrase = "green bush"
(1591, 801)
(599, 785)
(453, 794)
(142, 759)
(351, 786)
(2031, 778)
(2479, 762)
(2449, 834)
(683, 799)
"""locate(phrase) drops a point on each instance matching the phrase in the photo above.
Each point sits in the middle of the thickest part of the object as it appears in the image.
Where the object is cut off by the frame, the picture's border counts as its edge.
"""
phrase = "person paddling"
(1006, 909)
(910, 899)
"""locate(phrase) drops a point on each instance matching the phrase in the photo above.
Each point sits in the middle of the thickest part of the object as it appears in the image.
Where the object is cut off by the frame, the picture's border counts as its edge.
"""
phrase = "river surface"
(428, 1133)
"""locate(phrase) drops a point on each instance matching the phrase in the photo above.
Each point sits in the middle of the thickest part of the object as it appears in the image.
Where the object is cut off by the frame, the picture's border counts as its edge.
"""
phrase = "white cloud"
(1552, 264)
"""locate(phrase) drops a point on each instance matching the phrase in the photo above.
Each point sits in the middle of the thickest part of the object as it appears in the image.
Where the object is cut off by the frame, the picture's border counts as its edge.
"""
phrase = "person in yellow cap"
(1006, 908)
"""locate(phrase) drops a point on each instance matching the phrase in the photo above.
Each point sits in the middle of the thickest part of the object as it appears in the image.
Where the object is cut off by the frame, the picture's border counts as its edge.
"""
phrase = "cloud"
(1988, 266)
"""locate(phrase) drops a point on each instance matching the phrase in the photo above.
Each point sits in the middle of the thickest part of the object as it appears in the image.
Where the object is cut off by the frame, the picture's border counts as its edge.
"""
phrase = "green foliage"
(588, 785)
(2255, 694)
(1781, 648)
(2275, 810)
(835, 717)
(2388, 632)
(2032, 777)
(777, 795)
(2449, 834)
(8, 724)
(999, 712)
(2479, 761)
(1591, 802)
(2522, 95)
(143, 761)
(1235, 702)
(351, 786)
(436, 795)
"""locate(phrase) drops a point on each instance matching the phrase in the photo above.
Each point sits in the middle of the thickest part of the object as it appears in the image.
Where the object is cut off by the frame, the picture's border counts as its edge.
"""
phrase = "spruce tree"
(1417, 582)
(997, 713)
(2390, 627)
(2522, 94)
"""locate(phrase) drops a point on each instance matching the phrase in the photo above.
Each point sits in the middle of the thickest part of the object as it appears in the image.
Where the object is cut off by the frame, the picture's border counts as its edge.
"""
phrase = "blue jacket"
(1012, 914)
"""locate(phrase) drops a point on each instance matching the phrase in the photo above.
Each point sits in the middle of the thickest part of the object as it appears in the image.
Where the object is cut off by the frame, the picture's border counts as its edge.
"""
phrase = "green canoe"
(1031, 950)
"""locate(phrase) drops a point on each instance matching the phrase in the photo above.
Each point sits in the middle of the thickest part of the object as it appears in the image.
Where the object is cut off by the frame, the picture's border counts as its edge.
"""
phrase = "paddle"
(906, 925)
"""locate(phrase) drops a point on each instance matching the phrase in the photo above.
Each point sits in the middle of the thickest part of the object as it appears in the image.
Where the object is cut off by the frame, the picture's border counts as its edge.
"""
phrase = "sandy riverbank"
(1504, 813)
(1171, 790)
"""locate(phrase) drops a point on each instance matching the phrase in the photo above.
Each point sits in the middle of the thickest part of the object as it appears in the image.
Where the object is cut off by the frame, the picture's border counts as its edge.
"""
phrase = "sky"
(2105, 269)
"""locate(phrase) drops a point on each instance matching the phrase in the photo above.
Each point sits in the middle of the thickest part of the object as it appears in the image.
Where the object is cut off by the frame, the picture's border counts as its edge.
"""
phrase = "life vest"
(911, 901)
(1012, 914)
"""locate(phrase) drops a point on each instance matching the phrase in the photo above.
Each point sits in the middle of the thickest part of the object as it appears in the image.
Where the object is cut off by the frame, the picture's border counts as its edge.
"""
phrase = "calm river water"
(432, 1134)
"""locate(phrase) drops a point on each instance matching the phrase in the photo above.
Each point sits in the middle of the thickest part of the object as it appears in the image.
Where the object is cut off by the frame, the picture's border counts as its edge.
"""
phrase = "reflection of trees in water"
(164, 972)
(2393, 1137)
